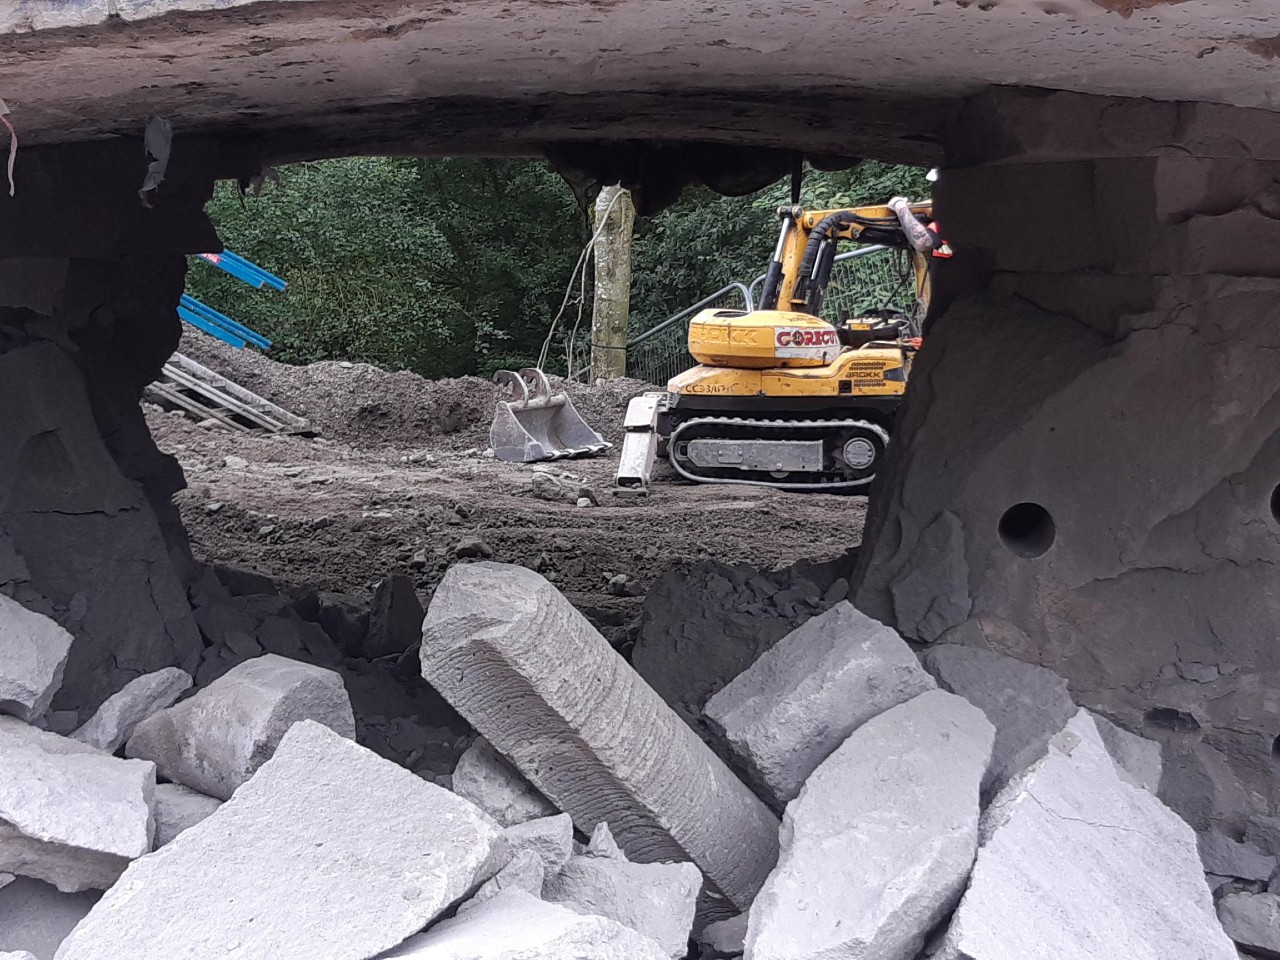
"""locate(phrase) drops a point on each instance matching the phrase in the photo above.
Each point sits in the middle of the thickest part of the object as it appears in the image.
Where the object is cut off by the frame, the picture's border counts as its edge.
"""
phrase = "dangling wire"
(580, 268)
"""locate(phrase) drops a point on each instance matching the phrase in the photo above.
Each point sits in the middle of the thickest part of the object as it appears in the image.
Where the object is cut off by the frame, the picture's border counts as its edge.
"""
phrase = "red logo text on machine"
(788, 337)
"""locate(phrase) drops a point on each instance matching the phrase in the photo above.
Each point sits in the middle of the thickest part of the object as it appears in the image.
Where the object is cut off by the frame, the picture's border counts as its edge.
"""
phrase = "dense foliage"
(448, 267)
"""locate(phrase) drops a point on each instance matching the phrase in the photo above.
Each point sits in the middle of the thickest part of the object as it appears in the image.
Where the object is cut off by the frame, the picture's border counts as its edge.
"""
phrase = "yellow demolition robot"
(782, 398)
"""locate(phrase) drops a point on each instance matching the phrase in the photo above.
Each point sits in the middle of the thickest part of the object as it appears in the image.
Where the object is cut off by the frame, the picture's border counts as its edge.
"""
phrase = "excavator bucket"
(536, 424)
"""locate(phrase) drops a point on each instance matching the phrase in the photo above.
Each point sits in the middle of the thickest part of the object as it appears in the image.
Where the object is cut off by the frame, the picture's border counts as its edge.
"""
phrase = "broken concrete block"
(550, 839)
(214, 741)
(1252, 920)
(69, 814)
(657, 900)
(1231, 858)
(395, 618)
(724, 938)
(1075, 862)
(790, 709)
(178, 808)
(18, 955)
(35, 917)
(115, 720)
(877, 847)
(309, 863)
(602, 844)
(1264, 833)
(496, 787)
(33, 654)
(516, 925)
(525, 871)
(6, 879)
(1027, 704)
(531, 674)
(1138, 760)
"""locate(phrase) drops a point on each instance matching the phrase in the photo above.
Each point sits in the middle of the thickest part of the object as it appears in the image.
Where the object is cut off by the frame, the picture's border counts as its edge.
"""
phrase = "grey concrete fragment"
(657, 900)
(1231, 858)
(1138, 760)
(518, 926)
(1077, 863)
(1264, 833)
(1027, 704)
(1252, 920)
(550, 839)
(527, 670)
(602, 844)
(790, 709)
(6, 879)
(496, 787)
(305, 861)
(178, 808)
(877, 847)
(115, 720)
(724, 938)
(37, 917)
(395, 618)
(33, 654)
(214, 741)
(18, 955)
(525, 871)
(69, 814)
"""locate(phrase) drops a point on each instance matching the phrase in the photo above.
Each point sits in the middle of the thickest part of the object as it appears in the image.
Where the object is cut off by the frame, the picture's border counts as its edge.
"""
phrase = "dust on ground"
(399, 482)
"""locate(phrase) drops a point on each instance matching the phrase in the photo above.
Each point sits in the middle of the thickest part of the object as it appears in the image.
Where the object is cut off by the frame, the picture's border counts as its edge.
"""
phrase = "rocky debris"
(524, 871)
(1027, 704)
(789, 710)
(724, 938)
(346, 620)
(657, 900)
(115, 720)
(701, 627)
(69, 814)
(516, 925)
(33, 654)
(1138, 760)
(537, 680)
(214, 741)
(550, 839)
(877, 847)
(1075, 862)
(486, 779)
(1252, 920)
(345, 853)
(178, 808)
(36, 917)
(395, 618)
(1231, 858)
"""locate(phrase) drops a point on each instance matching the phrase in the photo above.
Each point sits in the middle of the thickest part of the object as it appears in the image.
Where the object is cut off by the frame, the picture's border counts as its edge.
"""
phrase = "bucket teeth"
(534, 423)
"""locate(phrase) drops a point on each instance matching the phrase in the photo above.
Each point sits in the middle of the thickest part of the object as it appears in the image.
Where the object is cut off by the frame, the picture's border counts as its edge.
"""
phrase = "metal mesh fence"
(879, 280)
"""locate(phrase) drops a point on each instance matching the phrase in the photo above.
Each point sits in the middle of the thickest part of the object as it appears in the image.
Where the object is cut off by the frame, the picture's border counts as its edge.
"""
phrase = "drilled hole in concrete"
(1168, 719)
(1275, 504)
(1027, 529)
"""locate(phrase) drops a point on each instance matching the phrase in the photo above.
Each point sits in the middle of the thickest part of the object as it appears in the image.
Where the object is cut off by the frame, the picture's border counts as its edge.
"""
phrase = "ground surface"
(398, 482)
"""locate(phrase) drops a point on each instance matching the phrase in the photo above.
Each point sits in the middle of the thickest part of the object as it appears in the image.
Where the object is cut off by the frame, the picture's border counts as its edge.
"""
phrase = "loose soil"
(398, 481)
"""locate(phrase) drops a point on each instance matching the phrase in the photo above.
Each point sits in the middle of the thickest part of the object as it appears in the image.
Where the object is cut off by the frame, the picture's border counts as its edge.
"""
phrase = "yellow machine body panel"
(853, 374)
(763, 339)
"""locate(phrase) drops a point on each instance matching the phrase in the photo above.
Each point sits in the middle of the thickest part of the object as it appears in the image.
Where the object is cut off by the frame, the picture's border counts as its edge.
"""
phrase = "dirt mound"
(367, 406)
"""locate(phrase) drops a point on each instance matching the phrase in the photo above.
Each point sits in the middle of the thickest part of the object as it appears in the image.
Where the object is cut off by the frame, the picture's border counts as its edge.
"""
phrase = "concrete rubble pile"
(951, 804)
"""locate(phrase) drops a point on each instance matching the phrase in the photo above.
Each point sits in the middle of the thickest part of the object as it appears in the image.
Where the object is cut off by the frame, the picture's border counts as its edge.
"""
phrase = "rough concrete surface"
(550, 839)
(496, 787)
(33, 654)
(877, 847)
(1075, 862)
(657, 900)
(114, 722)
(178, 808)
(524, 871)
(1252, 920)
(345, 853)
(70, 815)
(1027, 704)
(510, 653)
(517, 926)
(37, 917)
(790, 709)
(214, 741)
(1137, 759)
(395, 618)
(1233, 858)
